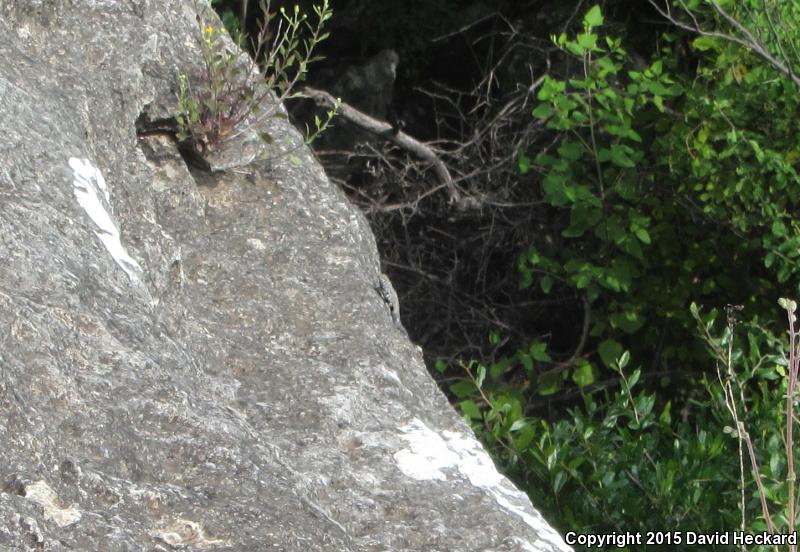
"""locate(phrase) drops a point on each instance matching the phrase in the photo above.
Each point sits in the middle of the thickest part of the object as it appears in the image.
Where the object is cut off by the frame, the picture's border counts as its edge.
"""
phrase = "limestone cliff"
(194, 360)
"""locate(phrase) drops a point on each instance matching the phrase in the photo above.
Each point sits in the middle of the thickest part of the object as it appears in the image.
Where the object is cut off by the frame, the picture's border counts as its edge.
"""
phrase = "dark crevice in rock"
(168, 128)
(15, 485)
(156, 127)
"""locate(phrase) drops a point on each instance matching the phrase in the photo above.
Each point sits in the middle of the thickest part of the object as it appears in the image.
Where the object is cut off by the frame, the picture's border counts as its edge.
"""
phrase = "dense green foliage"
(675, 188)
(619, 461)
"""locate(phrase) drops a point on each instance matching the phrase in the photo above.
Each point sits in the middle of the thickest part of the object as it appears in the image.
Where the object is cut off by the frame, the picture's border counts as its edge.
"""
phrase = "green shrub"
(668, 188)
(618, 246)
(624, 461)
(665, 189)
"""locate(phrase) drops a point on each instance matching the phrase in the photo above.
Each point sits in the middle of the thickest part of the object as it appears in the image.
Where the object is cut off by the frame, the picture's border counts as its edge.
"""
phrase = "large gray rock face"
(201, 361)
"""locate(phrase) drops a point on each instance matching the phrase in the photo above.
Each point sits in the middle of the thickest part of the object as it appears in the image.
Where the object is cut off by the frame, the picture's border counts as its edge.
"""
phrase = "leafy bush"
(665, 189)
(617, 248)
(668, 188)
(623, 461)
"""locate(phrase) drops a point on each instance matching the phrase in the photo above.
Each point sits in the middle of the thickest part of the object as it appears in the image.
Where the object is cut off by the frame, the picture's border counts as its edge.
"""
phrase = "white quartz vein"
(92, 194)
(429, 454)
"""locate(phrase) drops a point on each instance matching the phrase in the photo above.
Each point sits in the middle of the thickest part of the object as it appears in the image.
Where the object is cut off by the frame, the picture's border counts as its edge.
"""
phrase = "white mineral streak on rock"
(41, 493)
(392, 375)
(184, 533)
(429, 453)
(92, 194)
(256, 243)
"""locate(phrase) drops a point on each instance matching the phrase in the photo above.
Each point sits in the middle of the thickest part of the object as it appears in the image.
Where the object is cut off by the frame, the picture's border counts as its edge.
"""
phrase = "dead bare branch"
(385, 130)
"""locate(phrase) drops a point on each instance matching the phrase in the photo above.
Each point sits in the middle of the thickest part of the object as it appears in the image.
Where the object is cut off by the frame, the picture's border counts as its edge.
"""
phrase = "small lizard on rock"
(389, 296)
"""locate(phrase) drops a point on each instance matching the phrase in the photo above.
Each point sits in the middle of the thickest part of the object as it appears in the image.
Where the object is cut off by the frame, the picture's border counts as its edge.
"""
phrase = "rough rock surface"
(198, 361)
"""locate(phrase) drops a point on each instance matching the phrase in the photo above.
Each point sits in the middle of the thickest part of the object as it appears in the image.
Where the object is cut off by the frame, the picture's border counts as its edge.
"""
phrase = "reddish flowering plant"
(234, 94)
